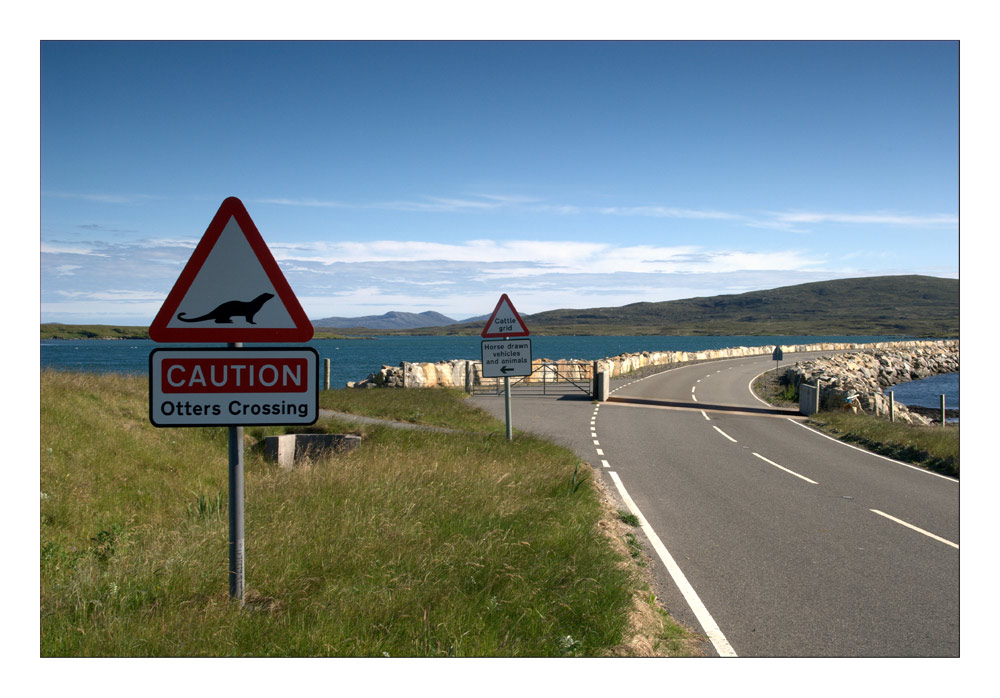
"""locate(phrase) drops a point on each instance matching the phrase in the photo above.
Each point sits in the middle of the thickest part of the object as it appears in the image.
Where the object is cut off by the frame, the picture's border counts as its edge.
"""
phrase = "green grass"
(55, 330)
(416, 544)
(439, 407)
(933, 447)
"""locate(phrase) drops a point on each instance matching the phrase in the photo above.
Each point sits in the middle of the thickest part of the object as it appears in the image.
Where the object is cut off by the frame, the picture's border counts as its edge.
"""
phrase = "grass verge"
(417, 544)
(933, 447)
(438, 407)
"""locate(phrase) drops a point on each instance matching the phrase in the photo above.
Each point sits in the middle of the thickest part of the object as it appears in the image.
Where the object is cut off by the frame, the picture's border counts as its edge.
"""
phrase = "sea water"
(927, 392)
(354, 359)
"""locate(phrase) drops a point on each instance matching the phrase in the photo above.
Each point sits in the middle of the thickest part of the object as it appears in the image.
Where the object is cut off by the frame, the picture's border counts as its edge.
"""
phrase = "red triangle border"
(232, 207)
(486, 334)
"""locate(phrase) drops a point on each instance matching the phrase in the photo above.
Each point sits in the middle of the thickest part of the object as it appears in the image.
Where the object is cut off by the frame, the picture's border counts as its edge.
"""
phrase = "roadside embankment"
(462, 373)
(869, 372)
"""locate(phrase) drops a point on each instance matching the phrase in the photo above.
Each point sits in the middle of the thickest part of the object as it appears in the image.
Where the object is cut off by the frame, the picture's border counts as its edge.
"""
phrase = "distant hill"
(392, 320)
(913, 305)
(916, 306)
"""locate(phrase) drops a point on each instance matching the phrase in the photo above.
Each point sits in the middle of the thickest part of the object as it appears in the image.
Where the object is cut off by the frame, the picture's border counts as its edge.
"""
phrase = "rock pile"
(386, 377)
(868, 373)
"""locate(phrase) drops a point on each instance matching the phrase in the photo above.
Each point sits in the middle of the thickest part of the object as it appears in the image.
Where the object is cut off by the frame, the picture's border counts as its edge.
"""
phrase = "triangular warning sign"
(231, 290)
(505, 322)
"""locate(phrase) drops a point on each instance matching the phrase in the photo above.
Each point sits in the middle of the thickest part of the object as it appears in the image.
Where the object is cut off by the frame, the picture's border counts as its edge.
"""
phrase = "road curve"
(775, 540)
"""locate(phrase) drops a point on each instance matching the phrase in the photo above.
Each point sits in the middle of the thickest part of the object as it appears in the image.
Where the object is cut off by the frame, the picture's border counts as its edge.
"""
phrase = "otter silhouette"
(225, 312)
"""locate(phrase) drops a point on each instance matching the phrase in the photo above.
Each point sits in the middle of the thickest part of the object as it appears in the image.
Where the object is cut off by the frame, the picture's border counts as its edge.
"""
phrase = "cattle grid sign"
(506, 357)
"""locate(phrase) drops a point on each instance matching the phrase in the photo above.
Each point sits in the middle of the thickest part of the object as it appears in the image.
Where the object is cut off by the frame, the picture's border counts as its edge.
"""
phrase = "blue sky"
(429, 175)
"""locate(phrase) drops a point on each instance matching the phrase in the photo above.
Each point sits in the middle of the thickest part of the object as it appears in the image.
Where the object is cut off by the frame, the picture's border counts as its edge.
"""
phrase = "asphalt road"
(767, 536)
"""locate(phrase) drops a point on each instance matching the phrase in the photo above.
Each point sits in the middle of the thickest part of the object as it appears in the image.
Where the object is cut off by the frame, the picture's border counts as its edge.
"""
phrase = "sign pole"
(506, 404)
(236, 549)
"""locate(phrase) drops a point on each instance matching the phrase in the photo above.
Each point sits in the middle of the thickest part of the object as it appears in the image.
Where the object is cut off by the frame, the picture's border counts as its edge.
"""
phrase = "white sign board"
(230, 387)
(506, 357)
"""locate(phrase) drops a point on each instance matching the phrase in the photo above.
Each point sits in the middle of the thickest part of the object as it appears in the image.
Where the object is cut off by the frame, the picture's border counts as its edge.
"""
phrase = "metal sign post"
(506, 407)
(237, 579)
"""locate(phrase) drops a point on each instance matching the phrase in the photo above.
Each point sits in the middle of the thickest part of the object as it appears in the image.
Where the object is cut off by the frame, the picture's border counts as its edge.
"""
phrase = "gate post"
(603, 383)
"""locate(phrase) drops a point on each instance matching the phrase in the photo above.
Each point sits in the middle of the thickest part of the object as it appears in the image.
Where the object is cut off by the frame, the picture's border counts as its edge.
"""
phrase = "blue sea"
(928, 391)
(354, 359)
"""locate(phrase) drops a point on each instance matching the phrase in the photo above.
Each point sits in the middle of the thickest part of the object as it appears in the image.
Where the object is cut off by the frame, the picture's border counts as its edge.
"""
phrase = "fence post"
(326, 381)
(892, 407)
(468, 377)
(942, 409)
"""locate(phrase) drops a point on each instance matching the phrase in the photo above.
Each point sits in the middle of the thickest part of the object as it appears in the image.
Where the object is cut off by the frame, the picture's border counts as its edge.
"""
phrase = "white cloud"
(102, 198)
(301, 202)
(534, 257)
(668, 212)
(881, 218)
(70, 248)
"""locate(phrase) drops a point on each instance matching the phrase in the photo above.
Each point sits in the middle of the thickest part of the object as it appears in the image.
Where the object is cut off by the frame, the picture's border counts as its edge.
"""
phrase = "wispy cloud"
(668, 212)
(791, 221)
(71, 248)
(443, 205)
(312, 203)
(102, 198)
(533, 257)
(880, 218)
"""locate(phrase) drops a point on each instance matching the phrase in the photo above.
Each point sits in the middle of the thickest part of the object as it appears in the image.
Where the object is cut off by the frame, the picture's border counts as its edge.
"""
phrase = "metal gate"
(553, 378)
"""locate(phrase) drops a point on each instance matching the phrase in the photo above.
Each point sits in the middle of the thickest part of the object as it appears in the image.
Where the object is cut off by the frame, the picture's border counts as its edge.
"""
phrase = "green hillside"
(891, 305)
(924, 306)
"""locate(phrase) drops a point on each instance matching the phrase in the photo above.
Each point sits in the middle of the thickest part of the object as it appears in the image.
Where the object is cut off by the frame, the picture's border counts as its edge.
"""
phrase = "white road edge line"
(915, 528)
(605, 464)
(790, 472)
(724, 434)
(705, 416)
(842, 443)
(877, 455)
(708, 623)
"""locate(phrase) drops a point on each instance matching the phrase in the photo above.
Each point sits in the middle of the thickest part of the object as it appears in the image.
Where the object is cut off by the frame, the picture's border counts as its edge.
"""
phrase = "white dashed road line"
(790, 472)
(918, 530)
(724, 434)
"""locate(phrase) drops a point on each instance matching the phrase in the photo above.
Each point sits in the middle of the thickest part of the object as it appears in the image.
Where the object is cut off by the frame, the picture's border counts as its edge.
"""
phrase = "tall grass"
(417, 544)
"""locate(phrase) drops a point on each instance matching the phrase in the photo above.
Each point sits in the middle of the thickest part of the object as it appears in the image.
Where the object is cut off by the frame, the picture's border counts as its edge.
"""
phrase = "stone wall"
(869, 372)
(453, 373)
